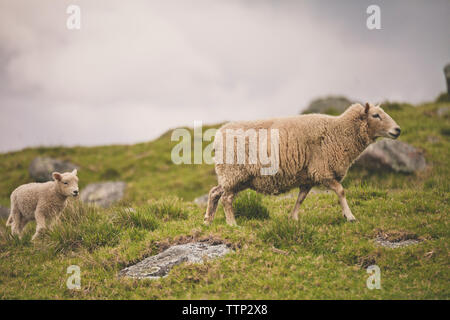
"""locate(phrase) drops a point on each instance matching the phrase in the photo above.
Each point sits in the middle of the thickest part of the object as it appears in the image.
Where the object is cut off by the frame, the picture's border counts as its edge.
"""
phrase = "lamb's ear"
(366, 109)
(56, 176)
(74, 171)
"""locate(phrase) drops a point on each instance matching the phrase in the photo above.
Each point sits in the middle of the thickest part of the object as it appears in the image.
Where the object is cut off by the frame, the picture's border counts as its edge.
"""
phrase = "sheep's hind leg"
(304, 190)
(21, 225)
(339, 190)
(213, 200)
(227, 201)
(16, 221)
(40, 224)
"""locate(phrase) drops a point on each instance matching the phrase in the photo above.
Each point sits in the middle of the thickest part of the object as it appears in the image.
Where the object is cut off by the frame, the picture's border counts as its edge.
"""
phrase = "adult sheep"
(314, 149)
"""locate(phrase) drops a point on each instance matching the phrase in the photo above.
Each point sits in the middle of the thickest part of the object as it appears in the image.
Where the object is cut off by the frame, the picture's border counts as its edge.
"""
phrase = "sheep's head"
(380, 124)
(67, 183)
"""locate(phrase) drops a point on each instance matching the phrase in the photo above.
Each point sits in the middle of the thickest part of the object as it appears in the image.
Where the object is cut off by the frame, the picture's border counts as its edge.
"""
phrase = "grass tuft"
(136, 218)
(283, 232)
(167, 208)
(82, 226)
(248, 205)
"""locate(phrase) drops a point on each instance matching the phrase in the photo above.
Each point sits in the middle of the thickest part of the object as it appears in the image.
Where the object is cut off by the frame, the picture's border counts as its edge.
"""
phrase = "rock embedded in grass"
(41, 168)
(433, 139)
(395, 244)
(396, 238)
(4, 212)
(202, 200)
(320, 191)
(392, 155)
(443, 112)
(328, 105)
(158, 266)
(447, 76)
(103, 194)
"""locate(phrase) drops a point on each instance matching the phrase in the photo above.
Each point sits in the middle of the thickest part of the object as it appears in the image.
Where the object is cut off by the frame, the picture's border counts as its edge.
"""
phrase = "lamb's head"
(66, 183)
(379, 123)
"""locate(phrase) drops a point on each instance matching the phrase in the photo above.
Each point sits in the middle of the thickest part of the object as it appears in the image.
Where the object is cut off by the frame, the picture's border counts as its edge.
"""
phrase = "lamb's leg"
(16, 221)
(40, 224)
(304, 190)
(213, 200)
(339, 190)
(17, 225)
(22, 224)
(227, 201)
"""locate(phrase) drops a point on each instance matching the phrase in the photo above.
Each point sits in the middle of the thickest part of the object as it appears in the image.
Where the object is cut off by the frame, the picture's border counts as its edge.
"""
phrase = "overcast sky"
(138, 68)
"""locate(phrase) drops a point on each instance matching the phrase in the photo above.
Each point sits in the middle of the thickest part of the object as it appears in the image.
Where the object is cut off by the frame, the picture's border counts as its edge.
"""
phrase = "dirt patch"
(195, 237)
(368, 260)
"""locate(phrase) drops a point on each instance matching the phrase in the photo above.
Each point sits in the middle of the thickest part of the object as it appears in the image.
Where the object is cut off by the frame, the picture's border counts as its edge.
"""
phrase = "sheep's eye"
(65, 182)
(376, 115)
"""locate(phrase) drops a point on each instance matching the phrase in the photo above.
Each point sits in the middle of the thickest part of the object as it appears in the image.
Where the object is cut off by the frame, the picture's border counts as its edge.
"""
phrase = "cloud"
(137, 68)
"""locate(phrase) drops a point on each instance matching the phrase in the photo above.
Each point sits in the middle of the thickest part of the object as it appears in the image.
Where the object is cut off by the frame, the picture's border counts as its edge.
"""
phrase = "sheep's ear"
(75, 171)
(56, 176)
(366, 109)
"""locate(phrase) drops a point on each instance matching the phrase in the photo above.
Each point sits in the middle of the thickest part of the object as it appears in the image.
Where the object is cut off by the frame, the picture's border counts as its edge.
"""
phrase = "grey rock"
(289, 195)
(4, 212)
(320, 191)
(158, 266)
(41, 168)
(433, 139)
(202, 200)
(395, 244)
(333, 104)
(313, 191)
(447, 76)
(443, 112)
(103, 194)
(392, 155)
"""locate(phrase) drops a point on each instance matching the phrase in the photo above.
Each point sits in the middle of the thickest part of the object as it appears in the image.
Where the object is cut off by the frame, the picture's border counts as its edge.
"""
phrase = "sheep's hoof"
(351, 219)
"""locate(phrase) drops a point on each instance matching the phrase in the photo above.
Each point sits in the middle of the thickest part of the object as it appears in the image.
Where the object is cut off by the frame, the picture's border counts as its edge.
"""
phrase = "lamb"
(41, 201)
(314, 149)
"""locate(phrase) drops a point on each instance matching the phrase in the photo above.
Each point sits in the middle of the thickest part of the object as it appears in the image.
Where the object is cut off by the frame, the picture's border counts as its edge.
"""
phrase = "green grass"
(318, 257)
(248, 205)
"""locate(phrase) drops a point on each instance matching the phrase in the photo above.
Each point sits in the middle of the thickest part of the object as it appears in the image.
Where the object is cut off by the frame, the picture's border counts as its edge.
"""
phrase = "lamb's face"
(67, 183)
(380, 123)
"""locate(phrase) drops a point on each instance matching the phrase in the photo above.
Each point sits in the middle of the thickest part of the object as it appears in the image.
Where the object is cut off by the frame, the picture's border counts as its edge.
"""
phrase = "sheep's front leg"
(227, 202)
(304, 190)
(40, 224)
(339, 190)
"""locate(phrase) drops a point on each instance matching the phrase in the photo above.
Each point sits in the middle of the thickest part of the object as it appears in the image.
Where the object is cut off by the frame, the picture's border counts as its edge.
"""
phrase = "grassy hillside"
(146, 167)
(320, 256)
